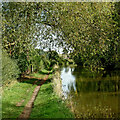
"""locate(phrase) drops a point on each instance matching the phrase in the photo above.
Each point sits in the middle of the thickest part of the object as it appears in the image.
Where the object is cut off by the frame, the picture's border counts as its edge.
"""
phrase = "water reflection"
(68, 80)
(93, 95)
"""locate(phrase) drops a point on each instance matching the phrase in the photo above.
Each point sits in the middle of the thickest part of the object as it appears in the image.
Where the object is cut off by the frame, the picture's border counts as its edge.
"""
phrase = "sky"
(48, 38)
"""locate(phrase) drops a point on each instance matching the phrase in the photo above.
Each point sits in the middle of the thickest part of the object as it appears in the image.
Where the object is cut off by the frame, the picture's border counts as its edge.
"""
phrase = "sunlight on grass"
(48, 105)
(11, 96)
(41, 76)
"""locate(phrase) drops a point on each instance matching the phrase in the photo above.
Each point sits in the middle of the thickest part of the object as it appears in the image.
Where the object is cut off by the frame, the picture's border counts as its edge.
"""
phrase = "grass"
(12, 95)
(48, 105)
(41, 75)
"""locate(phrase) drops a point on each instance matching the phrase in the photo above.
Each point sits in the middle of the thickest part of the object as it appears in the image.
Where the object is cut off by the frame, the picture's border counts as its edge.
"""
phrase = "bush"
(10, 70)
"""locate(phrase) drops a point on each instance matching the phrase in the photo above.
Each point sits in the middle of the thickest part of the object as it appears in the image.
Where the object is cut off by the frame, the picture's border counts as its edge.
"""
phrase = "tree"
(18, 24)
(91, 29)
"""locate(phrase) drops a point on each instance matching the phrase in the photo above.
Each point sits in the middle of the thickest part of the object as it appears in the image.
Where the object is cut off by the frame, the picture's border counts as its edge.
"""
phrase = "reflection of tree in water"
(73, 79)
(97, 86)
(107, 81)
(93, 95)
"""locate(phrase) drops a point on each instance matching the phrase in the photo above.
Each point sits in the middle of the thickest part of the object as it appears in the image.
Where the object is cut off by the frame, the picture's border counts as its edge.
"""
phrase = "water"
(93, 95)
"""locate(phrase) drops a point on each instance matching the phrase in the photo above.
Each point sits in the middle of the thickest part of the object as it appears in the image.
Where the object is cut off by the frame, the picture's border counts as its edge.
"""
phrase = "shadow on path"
(33, 80)
(28, 108)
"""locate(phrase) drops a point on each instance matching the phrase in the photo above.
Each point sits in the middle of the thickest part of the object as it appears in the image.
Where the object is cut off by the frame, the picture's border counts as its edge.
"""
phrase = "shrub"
(10, 70)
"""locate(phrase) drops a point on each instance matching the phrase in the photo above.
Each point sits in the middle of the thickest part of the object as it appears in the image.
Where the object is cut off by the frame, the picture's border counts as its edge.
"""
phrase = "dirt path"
(28, 108)
(22, 101)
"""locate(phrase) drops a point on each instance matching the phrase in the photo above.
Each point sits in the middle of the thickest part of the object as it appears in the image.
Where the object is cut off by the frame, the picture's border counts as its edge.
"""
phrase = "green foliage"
(22, 62)
(18, 27)
(53, 55)
(35, 59)
(41, 65)
(10, 70)
(61, 61)
(54, 58)
(91, 30)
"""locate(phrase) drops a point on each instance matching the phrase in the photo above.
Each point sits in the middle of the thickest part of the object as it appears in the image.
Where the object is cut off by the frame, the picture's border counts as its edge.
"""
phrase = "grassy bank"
(14, 94)
(48, 105)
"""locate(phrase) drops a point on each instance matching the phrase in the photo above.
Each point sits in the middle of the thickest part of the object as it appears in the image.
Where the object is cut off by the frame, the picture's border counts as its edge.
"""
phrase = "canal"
(94, 95)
